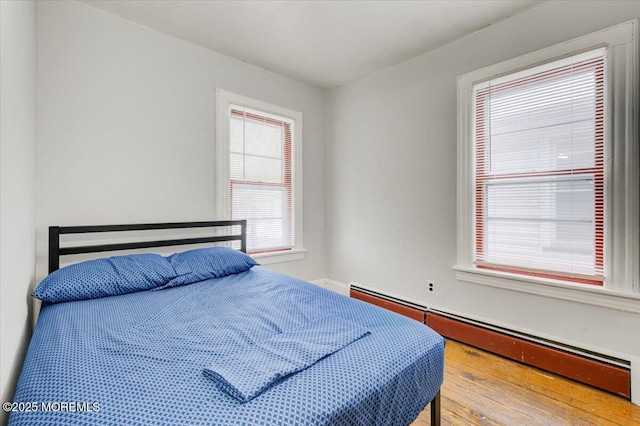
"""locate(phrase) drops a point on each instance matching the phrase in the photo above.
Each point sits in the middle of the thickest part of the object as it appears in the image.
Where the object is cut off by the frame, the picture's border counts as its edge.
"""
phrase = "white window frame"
(622, 252)
(224, 101)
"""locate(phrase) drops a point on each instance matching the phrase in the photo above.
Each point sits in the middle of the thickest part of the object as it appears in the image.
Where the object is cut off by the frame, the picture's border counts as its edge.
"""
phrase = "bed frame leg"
(435, 410)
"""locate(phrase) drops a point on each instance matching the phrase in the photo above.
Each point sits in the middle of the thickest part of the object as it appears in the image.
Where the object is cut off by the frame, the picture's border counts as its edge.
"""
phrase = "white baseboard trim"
(389, 294)
(333, 285)
(635, 380)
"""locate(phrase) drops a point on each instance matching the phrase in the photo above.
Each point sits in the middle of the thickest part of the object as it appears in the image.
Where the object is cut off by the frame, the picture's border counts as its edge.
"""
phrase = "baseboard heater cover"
(398, 306)
(597, 370)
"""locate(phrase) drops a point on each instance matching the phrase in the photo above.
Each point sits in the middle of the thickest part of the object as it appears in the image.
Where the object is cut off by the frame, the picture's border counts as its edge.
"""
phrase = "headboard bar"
(145, 244)
(55, 251)
(54, 246)
(145, 226)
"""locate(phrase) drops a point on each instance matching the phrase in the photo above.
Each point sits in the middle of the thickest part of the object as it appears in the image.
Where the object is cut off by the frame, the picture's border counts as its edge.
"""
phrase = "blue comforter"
(138, 359)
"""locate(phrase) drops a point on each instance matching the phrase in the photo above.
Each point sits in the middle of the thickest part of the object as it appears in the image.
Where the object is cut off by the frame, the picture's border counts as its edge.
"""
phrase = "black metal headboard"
(55, 251)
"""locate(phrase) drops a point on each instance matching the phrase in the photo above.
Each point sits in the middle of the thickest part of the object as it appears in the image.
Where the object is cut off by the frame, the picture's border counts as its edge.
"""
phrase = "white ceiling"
(322, 43)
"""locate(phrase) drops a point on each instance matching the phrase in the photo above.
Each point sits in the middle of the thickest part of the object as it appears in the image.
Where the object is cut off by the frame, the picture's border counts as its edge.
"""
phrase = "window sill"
(590, 295)
(279, 256)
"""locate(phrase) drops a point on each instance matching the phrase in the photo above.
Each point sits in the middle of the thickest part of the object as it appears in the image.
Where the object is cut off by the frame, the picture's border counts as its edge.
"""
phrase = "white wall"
(18, 95)
(126, 135)
(126, 127)
(391, 180)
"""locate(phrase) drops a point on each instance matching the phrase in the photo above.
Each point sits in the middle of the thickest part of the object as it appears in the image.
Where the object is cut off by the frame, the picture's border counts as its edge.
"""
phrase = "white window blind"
(539, 180)
(260, 178)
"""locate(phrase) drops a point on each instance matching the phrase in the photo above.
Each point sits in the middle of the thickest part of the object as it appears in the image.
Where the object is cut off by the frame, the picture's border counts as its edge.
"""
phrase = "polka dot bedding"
(118, 275)
(247, 372)
(138, 358)
(103, 277)
(213, 262)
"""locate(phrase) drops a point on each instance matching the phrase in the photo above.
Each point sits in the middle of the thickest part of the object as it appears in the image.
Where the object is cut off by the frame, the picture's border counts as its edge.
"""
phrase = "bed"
(231, 344)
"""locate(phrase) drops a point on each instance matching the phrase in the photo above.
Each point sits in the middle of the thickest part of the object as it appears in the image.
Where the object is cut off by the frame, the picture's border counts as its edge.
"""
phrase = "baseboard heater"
(597, 370)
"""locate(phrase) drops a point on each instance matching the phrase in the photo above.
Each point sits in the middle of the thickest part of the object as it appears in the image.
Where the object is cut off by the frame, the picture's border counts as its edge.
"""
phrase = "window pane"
(541, 246)
(236, 166)
(545, 126)
(541, 198)
(545, 224)
(236, 128)
(263, 139)
(255, 137)
(255, 169)
(265, 209)
(261, 169)
(562, 147)
(256, 150)
(264, 234)
(544, 103)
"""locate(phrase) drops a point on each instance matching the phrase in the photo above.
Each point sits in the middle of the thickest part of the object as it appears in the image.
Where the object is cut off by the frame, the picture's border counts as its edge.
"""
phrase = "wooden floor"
(484, 389)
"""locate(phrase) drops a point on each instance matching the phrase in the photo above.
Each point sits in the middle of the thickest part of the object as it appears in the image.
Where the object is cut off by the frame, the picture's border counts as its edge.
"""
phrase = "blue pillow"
(105, 277)
(203, 264)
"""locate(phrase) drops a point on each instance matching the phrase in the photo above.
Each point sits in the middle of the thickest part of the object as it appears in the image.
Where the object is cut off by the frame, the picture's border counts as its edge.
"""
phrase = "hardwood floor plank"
(454, 413)
(547, 385)
(485, 389)
(476, 397)
(521, 397)
(520, 373)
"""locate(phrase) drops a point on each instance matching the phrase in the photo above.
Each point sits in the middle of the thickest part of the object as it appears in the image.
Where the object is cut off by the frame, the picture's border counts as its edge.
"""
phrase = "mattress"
(138, 358)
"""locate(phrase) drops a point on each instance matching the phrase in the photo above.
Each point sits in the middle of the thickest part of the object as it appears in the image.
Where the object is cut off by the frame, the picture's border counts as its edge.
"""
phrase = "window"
(260, 184)
(539, 183)
(257, 176)
(548, 169)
